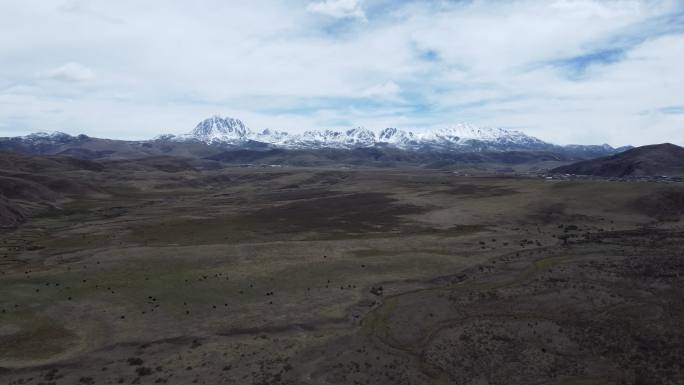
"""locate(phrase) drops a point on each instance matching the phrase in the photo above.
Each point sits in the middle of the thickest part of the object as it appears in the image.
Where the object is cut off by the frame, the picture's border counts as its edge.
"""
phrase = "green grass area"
(75, 242)
(34, 337)
(194, 232)
(462, 230)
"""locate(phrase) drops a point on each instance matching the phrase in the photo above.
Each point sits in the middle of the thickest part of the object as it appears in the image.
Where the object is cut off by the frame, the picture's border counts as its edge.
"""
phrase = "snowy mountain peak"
(360, 136)
(483, 137)
(47, 135)
(219, 129)
(52, 137)
(460, 137)
(397, 138)
(466, 131)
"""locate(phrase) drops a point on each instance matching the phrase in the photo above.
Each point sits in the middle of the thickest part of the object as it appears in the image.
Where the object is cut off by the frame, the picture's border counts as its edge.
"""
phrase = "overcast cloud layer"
(564, 71)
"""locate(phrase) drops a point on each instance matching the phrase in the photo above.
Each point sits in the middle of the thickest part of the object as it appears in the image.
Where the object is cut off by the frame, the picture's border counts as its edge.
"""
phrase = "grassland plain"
(344, 276)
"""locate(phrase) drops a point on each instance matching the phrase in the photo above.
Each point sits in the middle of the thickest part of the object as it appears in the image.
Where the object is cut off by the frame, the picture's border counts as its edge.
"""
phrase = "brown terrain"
(181, 271)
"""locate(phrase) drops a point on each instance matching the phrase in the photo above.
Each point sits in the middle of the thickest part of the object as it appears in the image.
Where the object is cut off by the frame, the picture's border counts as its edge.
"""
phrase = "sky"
(584, 71)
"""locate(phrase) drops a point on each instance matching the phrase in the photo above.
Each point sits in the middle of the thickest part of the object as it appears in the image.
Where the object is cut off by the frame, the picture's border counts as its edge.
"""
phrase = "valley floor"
(339, 276)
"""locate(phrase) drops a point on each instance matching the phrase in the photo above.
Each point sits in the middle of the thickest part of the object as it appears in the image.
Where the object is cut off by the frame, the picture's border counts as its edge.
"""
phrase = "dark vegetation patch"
(353, 213)
(477, 191)
(664, 206)
(294, 193)
(17, 188)
(461, 230)
(25, 163)
(550, 213)
(10, 214)
(328, 178)
(328, 217)
(554, 213)
(450, 232)
(195, 181)
(259, 177)
(274, 329)
(168, 164)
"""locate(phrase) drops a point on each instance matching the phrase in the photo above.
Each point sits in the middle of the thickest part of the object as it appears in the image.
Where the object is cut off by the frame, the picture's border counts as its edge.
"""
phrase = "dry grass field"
(343, 276)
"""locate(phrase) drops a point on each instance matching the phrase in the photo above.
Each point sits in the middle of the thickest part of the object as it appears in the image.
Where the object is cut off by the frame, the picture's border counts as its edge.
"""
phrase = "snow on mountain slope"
(314, 139)
(470, 135)
(398, 138)
(271, 136)
(228, 130)
(223, 134)
(55, 136)
(218, 130)
(354, 138)
(45, 138)
(461, 137)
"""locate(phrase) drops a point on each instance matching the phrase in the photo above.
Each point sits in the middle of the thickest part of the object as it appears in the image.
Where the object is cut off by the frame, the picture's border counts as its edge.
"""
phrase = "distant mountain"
(655, 160)
(85, 147)
(458, 138)
(40, 142)
(216, 135)
(30, 184)
(219, 130)
(469, 137)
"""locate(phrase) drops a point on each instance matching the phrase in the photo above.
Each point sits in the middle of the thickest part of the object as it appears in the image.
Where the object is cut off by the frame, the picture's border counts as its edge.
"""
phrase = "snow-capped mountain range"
(227, 134)
(461, 137)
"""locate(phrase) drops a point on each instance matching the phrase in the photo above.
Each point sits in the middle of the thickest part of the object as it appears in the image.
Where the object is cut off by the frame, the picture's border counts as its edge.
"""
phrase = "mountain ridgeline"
(230, 139)
(655, 160)
(460, 138)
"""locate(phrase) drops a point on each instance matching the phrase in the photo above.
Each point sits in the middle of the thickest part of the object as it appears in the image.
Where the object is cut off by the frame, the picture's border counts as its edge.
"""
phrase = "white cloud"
(388, 89)
(70, 72)
(165, 64)
(338, 8)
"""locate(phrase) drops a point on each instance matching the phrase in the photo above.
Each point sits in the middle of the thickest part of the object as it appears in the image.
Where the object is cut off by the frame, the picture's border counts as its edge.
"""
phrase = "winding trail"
(376, 322)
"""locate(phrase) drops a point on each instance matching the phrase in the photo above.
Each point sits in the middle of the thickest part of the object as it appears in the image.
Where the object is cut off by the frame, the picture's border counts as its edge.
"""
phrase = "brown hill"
(32, 184)
(654, 160)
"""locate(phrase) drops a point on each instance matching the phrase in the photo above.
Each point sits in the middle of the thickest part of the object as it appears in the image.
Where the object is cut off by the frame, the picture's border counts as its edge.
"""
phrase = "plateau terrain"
(195, 270)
